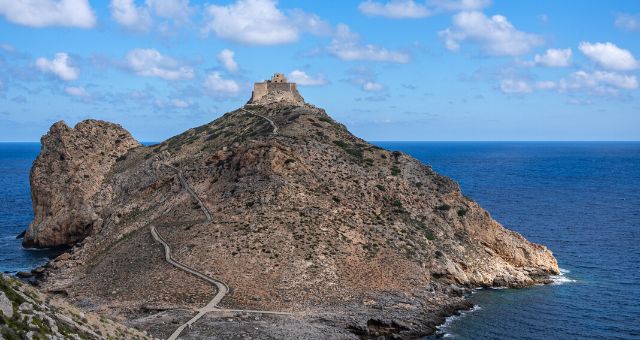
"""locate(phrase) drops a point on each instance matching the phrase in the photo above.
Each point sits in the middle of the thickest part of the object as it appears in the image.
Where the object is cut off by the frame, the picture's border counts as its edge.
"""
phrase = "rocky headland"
(282, 204)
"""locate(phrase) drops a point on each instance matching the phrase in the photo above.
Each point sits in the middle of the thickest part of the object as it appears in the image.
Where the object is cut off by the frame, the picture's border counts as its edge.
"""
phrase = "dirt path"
(273, 125)
(221, 287)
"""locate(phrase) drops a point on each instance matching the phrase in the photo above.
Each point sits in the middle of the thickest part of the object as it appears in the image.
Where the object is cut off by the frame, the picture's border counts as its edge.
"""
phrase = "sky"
(433, 70)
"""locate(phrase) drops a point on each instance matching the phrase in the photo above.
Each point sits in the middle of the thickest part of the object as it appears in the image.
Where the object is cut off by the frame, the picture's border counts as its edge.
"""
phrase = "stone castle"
(275, 90)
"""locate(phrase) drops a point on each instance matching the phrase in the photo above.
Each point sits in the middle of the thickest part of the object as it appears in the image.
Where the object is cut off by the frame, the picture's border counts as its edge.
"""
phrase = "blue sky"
(389, 70)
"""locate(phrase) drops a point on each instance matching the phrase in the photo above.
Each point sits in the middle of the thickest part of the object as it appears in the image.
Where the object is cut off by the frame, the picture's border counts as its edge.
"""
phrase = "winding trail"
(221, 287)
(273, 125)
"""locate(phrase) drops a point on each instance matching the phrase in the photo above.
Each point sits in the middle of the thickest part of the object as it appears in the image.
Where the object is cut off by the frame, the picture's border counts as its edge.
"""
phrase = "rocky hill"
(353, 240)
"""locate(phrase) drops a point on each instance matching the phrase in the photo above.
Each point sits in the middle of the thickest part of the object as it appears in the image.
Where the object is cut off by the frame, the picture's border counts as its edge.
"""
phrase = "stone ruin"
(277, 89)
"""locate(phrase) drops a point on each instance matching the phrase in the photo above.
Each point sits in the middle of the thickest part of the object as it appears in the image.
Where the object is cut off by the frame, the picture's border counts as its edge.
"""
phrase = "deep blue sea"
(582, 200)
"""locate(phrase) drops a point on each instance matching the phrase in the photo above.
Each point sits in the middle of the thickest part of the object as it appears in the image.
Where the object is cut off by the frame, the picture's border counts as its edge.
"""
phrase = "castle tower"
(276, 89)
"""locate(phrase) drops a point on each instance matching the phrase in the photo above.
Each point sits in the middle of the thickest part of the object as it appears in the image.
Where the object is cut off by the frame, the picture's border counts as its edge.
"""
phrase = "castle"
(274, 90)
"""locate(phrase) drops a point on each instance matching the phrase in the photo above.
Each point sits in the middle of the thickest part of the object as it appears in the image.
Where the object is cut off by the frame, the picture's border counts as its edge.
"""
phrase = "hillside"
(353, 240)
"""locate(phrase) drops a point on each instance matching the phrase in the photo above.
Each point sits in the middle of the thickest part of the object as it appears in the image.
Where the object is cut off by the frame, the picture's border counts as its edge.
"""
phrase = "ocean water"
(582, 200)
(15, 207)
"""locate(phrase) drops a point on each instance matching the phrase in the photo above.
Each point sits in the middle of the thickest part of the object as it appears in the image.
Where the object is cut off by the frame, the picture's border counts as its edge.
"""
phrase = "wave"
(561, 278)
(441, 329)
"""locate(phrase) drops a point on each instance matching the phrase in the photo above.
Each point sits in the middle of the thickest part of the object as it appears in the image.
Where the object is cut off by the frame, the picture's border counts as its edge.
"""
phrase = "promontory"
(272, 221)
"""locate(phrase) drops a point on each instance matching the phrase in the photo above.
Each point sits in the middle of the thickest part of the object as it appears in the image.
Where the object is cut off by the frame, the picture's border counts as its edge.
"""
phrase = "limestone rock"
(6, 307)
(68, 173)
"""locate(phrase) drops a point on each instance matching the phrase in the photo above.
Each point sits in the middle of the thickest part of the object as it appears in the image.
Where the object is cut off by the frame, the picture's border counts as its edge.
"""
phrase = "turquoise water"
(582, 200)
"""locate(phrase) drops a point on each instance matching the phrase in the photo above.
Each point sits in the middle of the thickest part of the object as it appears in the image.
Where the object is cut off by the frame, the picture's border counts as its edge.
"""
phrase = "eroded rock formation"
(67, 178)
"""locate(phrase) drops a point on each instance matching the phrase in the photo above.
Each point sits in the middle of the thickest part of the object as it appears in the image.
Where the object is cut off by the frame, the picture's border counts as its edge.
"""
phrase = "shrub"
(462, 212)
(249, 204)
(395, 171)
(443, 207)
(380, 187)
(336, 199)
(324, 119)
(396, 203)
(340, 143)
(289, 161)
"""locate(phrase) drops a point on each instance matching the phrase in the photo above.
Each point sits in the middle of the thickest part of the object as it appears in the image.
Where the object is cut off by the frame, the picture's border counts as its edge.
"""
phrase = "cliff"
(67, 175)
(306, 218)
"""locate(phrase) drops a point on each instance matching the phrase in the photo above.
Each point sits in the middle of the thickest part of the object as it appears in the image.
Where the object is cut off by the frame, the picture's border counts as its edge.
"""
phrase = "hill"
(283, 205)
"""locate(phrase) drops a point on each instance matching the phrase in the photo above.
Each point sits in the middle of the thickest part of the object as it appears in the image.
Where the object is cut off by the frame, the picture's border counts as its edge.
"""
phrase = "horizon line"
(438, 141)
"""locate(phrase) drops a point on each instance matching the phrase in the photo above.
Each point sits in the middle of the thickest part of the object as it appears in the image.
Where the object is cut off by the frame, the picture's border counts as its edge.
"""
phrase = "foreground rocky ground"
(26, 313)
(354, 240)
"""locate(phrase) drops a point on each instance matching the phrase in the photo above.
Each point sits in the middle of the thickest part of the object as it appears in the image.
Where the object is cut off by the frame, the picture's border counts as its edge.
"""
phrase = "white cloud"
(599, 82)
(395, 9)
(628, 22)
(308, 22)
(609, 56)
(546, 85)
(130, 16)
(256, 22)
(77, 91)
(372, 86)
(177, 10)
(496, 35)
(514, 86)
(60, 66)
(225, 57)
(346, 46)
(459, 5)
(150, 63)
(218, 86)
(554, 58)
(171, 103)
(303, 79)
(44, 13)
(8, 48)
(410, 9)
(597, 79)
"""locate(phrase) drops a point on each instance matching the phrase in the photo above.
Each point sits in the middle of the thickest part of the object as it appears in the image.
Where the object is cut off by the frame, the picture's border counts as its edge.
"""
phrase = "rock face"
(67, 177)
(359, 240)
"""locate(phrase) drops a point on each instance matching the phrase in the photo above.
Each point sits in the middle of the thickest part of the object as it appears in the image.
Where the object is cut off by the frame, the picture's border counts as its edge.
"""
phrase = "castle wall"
(285, 91)
(259, 91)
(284, 87)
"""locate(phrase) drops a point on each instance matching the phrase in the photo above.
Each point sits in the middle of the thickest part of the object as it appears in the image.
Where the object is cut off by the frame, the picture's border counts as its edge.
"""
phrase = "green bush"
(462, 212)
(336, 199)
(443, 207)
(340, 143)
(395, 171)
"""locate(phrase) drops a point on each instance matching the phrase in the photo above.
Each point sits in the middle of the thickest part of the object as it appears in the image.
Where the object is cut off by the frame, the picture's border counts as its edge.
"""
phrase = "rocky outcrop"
(312, 220)
(65, 178)
(29, 314)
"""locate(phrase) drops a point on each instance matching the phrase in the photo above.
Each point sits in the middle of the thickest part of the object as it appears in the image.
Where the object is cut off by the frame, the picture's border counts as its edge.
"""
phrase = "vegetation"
(462, 212)
(420, 225)
(395, 171)
(443, 207)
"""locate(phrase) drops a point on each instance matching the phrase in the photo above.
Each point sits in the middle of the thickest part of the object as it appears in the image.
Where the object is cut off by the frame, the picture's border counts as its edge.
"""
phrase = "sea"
(580, 199)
